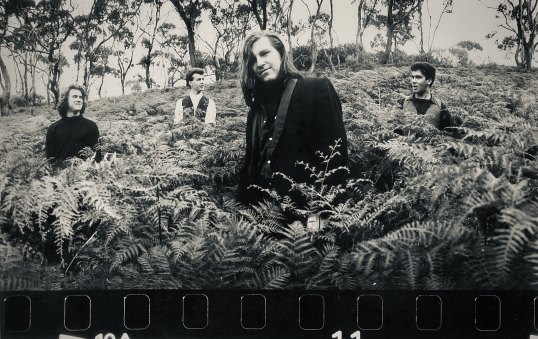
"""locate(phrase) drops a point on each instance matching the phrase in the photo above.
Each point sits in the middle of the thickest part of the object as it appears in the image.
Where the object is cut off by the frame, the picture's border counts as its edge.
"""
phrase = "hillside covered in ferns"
(423, 208)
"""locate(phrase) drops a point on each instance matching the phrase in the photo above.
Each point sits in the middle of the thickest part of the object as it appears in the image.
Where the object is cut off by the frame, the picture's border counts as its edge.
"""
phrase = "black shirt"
(68, 136)
(422, 105)
(268, 101)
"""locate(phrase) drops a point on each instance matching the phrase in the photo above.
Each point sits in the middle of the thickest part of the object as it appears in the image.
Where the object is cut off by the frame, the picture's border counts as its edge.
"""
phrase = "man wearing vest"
(196, 104)
(422, 102)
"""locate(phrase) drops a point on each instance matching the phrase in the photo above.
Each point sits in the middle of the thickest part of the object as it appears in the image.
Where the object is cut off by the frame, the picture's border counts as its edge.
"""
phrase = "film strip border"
(125, 314)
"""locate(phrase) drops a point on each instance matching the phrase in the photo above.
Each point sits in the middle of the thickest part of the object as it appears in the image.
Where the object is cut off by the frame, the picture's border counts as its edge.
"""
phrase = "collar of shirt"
(195, 98)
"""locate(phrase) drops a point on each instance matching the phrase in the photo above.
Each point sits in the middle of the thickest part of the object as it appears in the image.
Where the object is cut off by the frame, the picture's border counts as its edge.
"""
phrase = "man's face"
(419, 82)
(75, 101)
(267, 61)
(197, 83)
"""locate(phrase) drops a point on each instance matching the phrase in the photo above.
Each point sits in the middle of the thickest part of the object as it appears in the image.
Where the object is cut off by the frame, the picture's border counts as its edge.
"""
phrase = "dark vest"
(433, 113)
(200, 111)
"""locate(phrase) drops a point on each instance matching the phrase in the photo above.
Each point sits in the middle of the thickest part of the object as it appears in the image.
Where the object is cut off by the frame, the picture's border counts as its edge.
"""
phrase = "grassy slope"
(473, 93)
(134, 127)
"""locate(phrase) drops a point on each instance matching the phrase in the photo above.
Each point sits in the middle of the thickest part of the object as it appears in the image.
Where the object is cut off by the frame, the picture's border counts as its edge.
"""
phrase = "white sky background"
(470, 20)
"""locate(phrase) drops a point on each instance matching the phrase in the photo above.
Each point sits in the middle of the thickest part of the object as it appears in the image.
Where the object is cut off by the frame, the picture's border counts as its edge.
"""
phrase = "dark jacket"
(313, 123)
(68, 136)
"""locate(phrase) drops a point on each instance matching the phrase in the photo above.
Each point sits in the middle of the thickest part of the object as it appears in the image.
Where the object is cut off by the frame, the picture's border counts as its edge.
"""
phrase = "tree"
(313, 19)
(461, 52)
(54, 25)
(520, 19)
(259, 9)
(191, 14)
(290, 29)
(175, 53)
(447, 8)
(148, 42)
(103, 22)
(366, 12)
(101, 66)
(128, 40)
(231, 21)
(397, 22)
(25, 53)
(10, 8)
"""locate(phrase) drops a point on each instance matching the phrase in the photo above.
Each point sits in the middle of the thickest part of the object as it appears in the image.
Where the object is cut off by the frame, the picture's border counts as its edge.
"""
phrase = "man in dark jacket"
(67, 137)
(277, 137)
(422, 101)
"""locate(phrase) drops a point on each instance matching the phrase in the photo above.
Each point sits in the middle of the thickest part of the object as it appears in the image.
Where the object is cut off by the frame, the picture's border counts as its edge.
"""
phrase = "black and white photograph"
(268, 145)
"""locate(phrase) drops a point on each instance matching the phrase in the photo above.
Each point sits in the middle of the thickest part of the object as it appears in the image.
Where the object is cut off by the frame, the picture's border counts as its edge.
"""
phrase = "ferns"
(422, 208)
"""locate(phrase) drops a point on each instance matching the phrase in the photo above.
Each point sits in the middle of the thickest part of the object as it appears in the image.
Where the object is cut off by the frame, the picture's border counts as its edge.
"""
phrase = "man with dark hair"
(423, 102)
(196, 104)
(73, 132)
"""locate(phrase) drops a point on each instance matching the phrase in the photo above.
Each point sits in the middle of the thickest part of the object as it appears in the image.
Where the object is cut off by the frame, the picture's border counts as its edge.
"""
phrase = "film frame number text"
(354, 335)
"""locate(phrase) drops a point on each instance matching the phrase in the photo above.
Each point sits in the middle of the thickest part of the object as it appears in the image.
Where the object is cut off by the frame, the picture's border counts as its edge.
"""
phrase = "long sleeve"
(178, 113)
(95, 144)
(245, 175)
(211, 113)
(50, 144)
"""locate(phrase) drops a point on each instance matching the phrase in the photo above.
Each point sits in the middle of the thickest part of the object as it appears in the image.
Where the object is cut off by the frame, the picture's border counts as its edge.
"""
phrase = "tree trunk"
(192, 46)
(313, 45)
(329, 58)
(331, 42)
(148, 75)
(55, 80)
(102, 82)
(528, 52)
(288, 31)
(390, 32)
(34, 75)
(86, 78)
(26, 92)
(6, 87)
(122, 85)
(189, 24)
(360, 31)
(421, 29)
(517, 55)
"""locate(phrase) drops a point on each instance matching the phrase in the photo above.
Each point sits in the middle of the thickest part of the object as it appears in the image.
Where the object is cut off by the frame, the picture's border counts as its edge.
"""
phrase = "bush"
(303, 60)
(19, 101)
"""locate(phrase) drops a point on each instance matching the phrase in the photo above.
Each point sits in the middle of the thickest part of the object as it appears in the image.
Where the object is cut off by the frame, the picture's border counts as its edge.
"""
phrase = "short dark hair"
(426, 69)
(190, 74)
(63, 106)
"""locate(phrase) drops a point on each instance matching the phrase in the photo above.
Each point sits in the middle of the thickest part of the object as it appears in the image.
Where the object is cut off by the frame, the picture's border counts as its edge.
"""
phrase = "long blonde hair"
(247, 76)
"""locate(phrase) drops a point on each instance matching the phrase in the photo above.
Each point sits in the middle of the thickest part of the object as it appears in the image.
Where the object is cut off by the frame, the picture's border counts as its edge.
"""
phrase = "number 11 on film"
(354, 335)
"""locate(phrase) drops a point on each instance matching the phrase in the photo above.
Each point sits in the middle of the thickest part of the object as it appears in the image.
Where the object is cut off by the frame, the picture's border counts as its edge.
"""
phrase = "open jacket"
(313, 123)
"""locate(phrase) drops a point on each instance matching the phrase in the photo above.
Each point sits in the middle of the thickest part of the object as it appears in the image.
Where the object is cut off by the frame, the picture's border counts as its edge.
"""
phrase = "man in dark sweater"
(67, 137)
(422, 102)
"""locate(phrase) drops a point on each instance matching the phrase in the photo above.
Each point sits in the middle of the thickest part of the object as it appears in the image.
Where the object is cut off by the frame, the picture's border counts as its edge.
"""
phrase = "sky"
(470, 20)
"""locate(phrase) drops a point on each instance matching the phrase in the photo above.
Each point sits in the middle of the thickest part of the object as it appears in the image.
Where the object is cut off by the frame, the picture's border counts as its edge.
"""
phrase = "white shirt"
(211, 112)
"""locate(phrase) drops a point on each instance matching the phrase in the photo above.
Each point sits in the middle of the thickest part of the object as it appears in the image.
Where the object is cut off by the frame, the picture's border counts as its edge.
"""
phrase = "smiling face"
(266, 60)
(420, 84)
(75, 101)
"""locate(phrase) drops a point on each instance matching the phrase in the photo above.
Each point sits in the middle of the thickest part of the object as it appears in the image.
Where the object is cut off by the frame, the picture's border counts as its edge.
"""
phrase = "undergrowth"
(422, 209)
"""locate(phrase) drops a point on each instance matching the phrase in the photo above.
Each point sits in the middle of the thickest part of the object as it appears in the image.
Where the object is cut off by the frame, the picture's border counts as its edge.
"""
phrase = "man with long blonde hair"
(291, 119)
